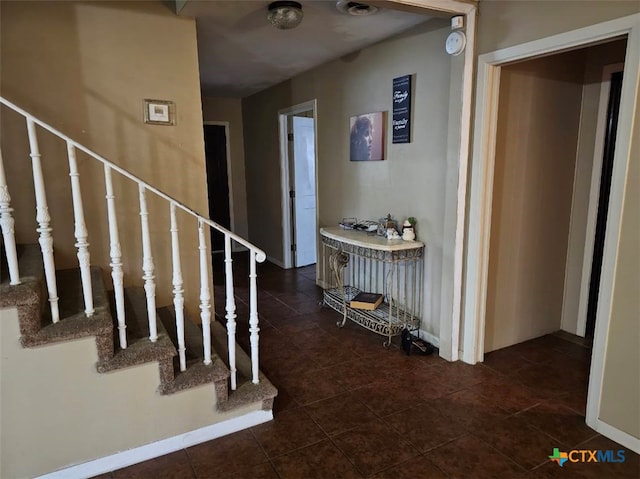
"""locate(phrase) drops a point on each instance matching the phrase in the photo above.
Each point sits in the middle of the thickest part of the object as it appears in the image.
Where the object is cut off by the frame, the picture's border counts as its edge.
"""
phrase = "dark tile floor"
(347, 407)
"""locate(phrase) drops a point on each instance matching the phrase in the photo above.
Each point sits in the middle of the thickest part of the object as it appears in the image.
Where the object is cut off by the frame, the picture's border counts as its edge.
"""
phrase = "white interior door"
(304, 186)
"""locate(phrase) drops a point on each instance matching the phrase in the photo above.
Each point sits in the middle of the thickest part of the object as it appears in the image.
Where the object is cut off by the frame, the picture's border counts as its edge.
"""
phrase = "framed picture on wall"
(159, 112)
(366, 137)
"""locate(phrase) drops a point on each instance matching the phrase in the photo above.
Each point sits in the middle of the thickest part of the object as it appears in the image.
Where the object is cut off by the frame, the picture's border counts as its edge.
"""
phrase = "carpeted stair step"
(197, 373)
(192, 333)
(246, 392)
(74, 323)
(28, 296)
(34, 314)
(140, 349)
(218, 372)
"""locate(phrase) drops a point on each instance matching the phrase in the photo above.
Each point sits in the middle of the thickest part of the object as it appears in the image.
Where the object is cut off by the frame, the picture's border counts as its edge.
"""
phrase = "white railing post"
(178, 296)
(230, 308)
(6, 223)
(253, 317)
(205, 295)
(116, 258)
(80, 231)
(147, 266)
(44, 221)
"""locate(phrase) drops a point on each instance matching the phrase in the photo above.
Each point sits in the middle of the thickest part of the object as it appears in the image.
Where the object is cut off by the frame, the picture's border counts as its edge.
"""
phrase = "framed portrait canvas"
(366, 137)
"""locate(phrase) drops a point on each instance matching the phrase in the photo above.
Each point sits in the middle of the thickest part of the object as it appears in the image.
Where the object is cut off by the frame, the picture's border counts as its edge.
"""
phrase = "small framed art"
(159, 112)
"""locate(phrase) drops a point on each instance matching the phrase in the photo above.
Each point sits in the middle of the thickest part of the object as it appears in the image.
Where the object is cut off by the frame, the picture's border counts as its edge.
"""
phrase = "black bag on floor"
(414, 345)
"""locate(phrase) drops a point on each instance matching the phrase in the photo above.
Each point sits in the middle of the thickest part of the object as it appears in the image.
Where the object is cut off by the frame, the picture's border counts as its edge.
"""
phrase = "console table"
(359, 261)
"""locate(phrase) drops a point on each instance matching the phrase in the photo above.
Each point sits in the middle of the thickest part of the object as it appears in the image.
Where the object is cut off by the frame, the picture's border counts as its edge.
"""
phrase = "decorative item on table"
(408, 233)
(368, 226)
(348, 223)
(386, 224)
(392, 234)
(360, 225)
(368, 301)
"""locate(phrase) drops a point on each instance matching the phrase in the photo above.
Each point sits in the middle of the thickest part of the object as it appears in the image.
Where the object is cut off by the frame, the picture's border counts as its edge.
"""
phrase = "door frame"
(229, 170)
(481, 189)
(594, 191)
(311, 105)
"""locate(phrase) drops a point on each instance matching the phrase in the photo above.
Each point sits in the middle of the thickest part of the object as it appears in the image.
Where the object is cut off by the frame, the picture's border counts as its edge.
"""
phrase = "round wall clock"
(456, 42)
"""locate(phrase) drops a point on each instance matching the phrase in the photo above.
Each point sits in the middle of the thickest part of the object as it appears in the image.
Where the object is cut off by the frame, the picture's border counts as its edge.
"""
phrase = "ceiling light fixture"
(355, 8)
(285, 14)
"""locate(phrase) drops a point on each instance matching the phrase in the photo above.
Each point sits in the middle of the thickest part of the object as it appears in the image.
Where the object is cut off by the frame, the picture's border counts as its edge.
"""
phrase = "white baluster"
(6, 223)
(253, 316)
(148, 267)
(230, 308)
(80, 231)
(178, 297)
(44, 220)
(116, 258)
(205, 295)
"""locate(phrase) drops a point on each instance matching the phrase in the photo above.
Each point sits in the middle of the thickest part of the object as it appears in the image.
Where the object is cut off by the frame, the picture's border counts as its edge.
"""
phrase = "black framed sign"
(401, 120)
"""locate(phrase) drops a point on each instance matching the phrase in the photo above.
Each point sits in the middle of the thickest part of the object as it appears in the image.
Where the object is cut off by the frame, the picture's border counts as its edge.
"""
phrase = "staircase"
(98, 376)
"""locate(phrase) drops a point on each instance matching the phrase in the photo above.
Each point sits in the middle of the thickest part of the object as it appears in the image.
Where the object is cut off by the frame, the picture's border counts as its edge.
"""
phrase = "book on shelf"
(368, 301)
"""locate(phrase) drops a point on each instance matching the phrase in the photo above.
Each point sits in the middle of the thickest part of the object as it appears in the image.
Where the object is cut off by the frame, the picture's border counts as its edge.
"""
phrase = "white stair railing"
(148, 267)
(115, 253)
(178, 296)
(230, 308)
(8, 233)
(253, 316)
(80, 231)
(43, 219)
(205, 295)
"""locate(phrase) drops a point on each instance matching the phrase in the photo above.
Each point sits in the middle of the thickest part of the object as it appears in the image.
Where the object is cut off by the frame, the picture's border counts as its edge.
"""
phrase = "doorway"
(545, 143)
(216, 148)
(490, 67)
(299, 184)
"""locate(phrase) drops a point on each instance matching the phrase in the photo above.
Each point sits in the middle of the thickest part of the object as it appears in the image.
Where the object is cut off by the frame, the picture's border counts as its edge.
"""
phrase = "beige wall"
(536, 142)
(65, 413)
(411, 181)
(504, 23)
(509, 23)
(230, 110)
(85, 68)
(595, 59)
(620, 403)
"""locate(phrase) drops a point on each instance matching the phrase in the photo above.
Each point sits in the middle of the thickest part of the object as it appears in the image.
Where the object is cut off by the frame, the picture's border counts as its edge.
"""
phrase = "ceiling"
(241, 53)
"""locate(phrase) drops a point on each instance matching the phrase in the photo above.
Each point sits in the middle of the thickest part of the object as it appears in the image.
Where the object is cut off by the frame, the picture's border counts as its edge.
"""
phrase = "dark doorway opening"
(215, 148)
(603, 200)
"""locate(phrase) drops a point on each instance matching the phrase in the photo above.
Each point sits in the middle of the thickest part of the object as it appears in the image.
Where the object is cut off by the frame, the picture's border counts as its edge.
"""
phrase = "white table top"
(361, 238)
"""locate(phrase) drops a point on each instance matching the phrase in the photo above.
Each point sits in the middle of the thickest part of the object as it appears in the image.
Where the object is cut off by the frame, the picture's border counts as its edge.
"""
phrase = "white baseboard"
(277, 262)
(160, 448)
(621, 437)
(430, 338)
